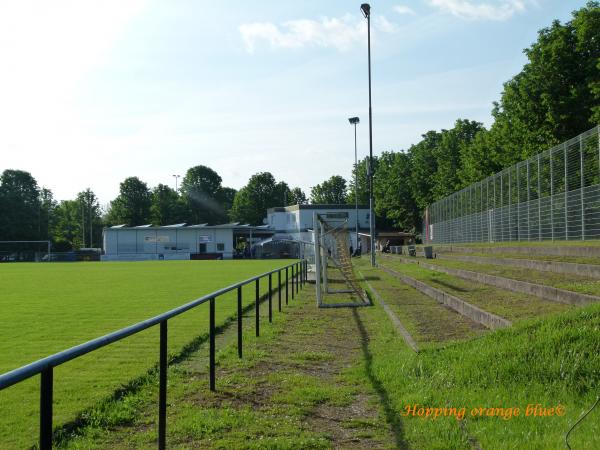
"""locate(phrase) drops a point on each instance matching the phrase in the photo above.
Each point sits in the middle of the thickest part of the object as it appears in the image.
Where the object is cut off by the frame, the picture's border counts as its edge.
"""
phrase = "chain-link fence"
(554, 195)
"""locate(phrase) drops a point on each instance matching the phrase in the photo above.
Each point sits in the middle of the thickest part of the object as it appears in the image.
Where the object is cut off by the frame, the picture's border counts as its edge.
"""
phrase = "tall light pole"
(176, 178)
(366, 10)
(355, 121)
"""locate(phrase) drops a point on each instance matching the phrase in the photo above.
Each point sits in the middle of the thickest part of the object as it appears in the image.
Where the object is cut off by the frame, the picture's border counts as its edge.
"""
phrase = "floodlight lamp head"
(366, 10)
(354, 120)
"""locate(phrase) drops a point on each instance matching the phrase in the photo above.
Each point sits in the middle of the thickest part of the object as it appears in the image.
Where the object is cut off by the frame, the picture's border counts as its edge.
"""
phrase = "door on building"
(201, 248)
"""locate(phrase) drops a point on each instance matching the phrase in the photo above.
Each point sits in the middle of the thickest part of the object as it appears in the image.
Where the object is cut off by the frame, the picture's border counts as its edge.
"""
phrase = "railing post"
(257, 308)
(279, 289)
(286, 285)
(270, 301)
(239, 320)
(162, 388)
(297, 277)
(46, 386)
(211, 334)
(292, 277)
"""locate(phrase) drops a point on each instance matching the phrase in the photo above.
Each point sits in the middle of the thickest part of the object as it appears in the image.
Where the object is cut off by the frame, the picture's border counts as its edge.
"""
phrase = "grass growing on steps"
(551, 362)
(510, 305)
(577, 283)
(425, 318)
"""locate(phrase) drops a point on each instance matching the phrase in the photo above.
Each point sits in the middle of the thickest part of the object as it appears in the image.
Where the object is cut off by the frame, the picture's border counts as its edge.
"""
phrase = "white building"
(296, 222)
(172, 242)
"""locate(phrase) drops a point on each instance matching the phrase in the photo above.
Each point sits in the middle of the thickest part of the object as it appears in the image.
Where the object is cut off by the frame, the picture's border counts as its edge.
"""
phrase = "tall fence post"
(257, 308)
(46, 387)
(510, 228)
(552, 194)
(528, 203)
(162, 387)
(211, 335)
(582, 187)
(270, 300)
(279, 290)
(239, 321)
(539, 194)
(518, 202)
(566, 190)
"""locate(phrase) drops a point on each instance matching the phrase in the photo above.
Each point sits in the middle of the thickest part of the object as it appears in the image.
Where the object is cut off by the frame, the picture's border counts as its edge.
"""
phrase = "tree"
(297, 197)
(448, 156)
(424, 167)
(91, 221)
(360, 172)
(202, 191)
(132, 206)
(66, 230)
(167, 206)
(395, 206)
(20, 205)
(331, 191)
(252, 201)
(553, 98)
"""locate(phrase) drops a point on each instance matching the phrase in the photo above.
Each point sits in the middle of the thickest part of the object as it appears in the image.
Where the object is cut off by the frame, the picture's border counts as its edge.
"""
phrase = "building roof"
(314, 207)
(178, 226)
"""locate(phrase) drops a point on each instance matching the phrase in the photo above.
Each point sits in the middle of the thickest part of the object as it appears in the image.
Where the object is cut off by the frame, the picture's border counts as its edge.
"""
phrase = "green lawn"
(50, 307)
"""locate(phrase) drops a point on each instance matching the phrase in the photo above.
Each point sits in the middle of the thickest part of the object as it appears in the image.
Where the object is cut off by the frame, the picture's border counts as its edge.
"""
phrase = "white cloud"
(402, 9)
(474, 10)
(385, 25)
(339, 33)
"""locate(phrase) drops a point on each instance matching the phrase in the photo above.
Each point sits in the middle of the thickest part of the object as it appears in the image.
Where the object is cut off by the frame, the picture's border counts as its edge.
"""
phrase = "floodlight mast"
(366, 10)
(355, 121)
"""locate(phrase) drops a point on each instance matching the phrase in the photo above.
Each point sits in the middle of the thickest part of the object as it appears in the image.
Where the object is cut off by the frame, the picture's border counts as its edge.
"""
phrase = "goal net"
(335, 278)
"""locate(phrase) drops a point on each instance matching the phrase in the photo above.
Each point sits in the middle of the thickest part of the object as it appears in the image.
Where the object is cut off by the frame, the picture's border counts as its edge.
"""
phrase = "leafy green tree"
(553, 98)
(424, 167)
(448, 156)
(252, 201)
(208, 202)
(331, 191)
(20, 206)
(297, 197)
(167, 206)
(395, 206)
(66, 228)
(132, 206)
(360, 172)
(91, 219)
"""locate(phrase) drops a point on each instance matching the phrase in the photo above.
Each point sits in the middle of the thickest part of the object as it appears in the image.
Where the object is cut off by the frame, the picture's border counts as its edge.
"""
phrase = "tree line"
(555, 97)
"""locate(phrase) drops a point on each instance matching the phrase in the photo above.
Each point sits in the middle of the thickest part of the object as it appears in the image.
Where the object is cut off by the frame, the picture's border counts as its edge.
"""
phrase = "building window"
(220, 247)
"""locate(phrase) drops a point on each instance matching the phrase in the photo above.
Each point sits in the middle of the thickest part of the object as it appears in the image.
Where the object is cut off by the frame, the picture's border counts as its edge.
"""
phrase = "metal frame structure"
(45, 367)
(554, 195)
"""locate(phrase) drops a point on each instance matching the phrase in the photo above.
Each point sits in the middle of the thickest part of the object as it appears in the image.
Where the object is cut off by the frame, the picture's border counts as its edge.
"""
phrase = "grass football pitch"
(47, 308)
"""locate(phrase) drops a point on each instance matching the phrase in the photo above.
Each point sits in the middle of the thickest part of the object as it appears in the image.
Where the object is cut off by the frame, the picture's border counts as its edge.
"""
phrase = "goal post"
(335, 280)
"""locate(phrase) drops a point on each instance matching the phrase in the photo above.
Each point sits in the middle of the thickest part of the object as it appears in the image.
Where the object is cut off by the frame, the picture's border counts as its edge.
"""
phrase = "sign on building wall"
(204, 238)
(156, 239)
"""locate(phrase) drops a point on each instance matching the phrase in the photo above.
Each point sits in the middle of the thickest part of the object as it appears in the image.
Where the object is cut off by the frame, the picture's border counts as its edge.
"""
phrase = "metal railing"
(295, 277)
(554, 195)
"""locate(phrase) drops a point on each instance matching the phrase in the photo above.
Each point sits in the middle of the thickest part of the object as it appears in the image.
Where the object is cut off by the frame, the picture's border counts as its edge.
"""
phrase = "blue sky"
(92, 92)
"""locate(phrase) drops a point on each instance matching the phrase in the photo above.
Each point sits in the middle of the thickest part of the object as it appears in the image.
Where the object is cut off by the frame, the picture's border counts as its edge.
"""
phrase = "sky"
(94, 91)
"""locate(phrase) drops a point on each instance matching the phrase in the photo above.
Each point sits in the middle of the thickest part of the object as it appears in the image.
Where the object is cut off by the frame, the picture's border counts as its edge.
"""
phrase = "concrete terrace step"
(589, 270)
(464, 308)
(538, 290)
